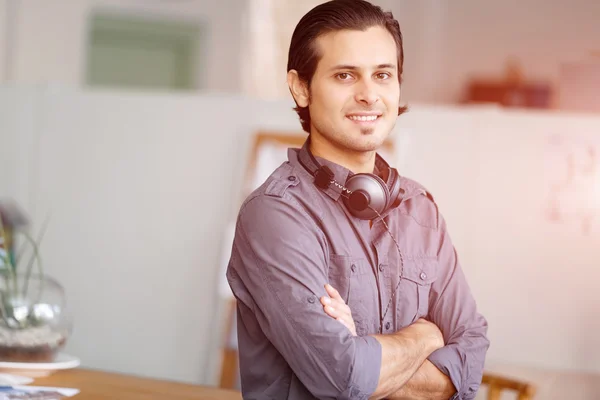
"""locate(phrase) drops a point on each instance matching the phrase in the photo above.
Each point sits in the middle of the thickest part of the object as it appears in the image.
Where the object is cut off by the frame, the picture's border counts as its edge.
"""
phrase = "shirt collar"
(302, 156)
(341, 174)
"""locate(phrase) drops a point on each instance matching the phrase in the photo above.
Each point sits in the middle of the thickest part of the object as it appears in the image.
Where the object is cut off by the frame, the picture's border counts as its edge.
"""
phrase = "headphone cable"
(401, 268)
(401, 261)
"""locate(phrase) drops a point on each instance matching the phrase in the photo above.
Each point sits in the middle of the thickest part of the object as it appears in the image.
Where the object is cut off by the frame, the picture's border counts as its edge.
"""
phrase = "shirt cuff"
(367, 367)
(448, 360)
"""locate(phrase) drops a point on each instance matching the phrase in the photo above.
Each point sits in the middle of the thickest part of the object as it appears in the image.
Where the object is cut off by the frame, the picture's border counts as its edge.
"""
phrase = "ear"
(298, 88)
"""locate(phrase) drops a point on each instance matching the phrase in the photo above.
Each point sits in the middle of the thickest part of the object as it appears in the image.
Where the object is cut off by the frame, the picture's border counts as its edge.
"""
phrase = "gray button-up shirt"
(292, 238)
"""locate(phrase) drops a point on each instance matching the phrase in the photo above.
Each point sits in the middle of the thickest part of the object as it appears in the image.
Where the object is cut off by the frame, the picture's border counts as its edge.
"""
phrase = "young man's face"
(355, 92)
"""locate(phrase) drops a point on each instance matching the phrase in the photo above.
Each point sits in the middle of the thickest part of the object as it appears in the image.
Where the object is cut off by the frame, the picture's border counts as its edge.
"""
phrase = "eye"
(383, 75)
(343, 76)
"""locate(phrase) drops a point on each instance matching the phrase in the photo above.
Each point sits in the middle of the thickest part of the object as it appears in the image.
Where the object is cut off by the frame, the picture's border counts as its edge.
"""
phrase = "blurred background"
(140, 126)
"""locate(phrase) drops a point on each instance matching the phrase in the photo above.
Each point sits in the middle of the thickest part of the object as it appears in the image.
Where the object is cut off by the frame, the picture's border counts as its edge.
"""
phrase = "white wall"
(551, 269)
(3, 40)
(51, 37)
(19, 122)
(579, 86)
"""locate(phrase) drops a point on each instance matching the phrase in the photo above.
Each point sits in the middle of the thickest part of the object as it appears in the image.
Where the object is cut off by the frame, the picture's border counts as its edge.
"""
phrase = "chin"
(366, 144)
(371, 140)
(356, 139)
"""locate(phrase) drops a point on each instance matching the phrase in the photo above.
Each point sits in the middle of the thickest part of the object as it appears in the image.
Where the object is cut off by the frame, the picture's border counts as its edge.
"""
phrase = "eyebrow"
(353, 67)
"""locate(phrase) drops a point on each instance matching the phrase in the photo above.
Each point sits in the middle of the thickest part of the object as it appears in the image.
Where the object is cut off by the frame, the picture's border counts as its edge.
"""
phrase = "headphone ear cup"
(395, 190)
(371, 187)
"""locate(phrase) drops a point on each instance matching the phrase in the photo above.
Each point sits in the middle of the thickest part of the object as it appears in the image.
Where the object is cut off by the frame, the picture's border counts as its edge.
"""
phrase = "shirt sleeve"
(281, 257)
(454, 311)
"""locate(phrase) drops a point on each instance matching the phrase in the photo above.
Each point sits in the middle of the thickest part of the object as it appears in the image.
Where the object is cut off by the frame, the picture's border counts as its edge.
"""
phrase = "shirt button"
(311, 299)
(423, 275)
(291, 178)
(353, 268)
(387, 326)
(381, 267)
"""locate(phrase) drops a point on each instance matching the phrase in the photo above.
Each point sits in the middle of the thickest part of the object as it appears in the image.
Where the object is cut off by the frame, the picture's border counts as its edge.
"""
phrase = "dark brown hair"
(336, 15)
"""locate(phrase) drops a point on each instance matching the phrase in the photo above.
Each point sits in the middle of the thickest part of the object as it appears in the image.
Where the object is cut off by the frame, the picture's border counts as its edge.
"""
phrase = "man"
(347, 284)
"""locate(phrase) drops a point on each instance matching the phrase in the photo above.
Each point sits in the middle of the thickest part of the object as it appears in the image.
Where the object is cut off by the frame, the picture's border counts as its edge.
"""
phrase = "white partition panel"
(139, 189)
(20, 116)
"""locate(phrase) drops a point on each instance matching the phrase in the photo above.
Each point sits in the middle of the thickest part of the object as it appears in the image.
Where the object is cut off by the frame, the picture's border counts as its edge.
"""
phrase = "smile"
(363, 118)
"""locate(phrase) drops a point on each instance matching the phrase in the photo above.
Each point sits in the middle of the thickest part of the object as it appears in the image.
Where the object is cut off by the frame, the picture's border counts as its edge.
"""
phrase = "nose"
(366, 93)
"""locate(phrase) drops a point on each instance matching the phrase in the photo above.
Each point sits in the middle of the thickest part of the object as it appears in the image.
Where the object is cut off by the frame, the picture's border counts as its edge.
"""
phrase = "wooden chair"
(229, 352)
(497, 384)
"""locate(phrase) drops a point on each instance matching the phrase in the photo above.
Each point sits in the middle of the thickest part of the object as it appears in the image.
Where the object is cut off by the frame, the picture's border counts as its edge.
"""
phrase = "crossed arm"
(277, 269)
(428, 382)
(461, 357)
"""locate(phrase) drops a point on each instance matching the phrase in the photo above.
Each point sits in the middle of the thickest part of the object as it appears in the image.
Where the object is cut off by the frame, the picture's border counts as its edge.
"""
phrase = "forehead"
(362, 49)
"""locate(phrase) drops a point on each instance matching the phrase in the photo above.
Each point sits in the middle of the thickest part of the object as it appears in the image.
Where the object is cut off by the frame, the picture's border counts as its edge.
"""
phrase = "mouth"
(364, 119)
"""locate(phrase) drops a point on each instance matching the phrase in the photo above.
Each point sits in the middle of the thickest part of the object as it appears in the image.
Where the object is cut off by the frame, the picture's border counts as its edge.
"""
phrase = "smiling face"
(354, 94)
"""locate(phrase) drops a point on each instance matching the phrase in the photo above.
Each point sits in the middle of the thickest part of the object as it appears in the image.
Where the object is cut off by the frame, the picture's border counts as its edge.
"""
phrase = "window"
(134, 52)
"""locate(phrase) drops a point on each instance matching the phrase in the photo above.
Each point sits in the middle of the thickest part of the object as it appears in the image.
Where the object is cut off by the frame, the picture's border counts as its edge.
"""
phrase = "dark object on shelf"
(511, 90)
(523, 95)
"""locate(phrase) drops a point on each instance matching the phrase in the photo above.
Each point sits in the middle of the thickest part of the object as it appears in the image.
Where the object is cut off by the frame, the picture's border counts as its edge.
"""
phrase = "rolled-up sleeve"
(453, 309)
(280, 258)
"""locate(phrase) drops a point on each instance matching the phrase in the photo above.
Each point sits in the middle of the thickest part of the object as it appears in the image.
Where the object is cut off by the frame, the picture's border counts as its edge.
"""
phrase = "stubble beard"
(359, 144)
(352, 144)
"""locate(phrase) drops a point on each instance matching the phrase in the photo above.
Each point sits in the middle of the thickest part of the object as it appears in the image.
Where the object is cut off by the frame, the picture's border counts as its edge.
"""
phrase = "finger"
(333, 292)
(335, 303)
(341, 311)
(326, 301)
(338, 304)
(332, 312)
(342, 308)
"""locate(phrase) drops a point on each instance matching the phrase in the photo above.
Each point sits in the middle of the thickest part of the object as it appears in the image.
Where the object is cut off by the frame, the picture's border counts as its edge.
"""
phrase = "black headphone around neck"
(366, 196)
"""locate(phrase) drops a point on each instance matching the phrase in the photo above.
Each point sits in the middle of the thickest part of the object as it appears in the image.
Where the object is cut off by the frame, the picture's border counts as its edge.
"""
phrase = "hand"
(336, 308)
(432, 331)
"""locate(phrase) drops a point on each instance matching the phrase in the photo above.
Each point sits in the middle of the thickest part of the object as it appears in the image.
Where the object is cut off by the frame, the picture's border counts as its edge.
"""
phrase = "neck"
(355, 161)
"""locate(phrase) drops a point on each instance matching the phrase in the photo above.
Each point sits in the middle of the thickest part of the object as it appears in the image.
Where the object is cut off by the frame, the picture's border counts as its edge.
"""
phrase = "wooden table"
(96, 385)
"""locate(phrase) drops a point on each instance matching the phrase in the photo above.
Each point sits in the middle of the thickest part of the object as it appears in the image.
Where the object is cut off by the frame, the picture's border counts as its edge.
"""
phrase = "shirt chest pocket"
(354, 280)
(413, 293)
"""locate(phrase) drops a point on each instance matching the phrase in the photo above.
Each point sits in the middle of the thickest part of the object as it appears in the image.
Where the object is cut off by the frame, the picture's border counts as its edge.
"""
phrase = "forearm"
(428, 383)
(402, 354)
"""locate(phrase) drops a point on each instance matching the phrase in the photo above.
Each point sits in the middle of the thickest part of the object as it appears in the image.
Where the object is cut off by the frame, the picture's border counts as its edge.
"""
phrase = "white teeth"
(363, 117)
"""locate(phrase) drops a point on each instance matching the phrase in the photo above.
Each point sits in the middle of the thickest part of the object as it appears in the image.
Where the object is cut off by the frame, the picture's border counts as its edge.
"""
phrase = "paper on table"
(67, 392)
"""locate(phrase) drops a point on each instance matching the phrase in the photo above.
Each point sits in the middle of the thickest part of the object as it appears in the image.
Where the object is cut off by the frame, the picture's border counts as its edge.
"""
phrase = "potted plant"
(33, 321)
